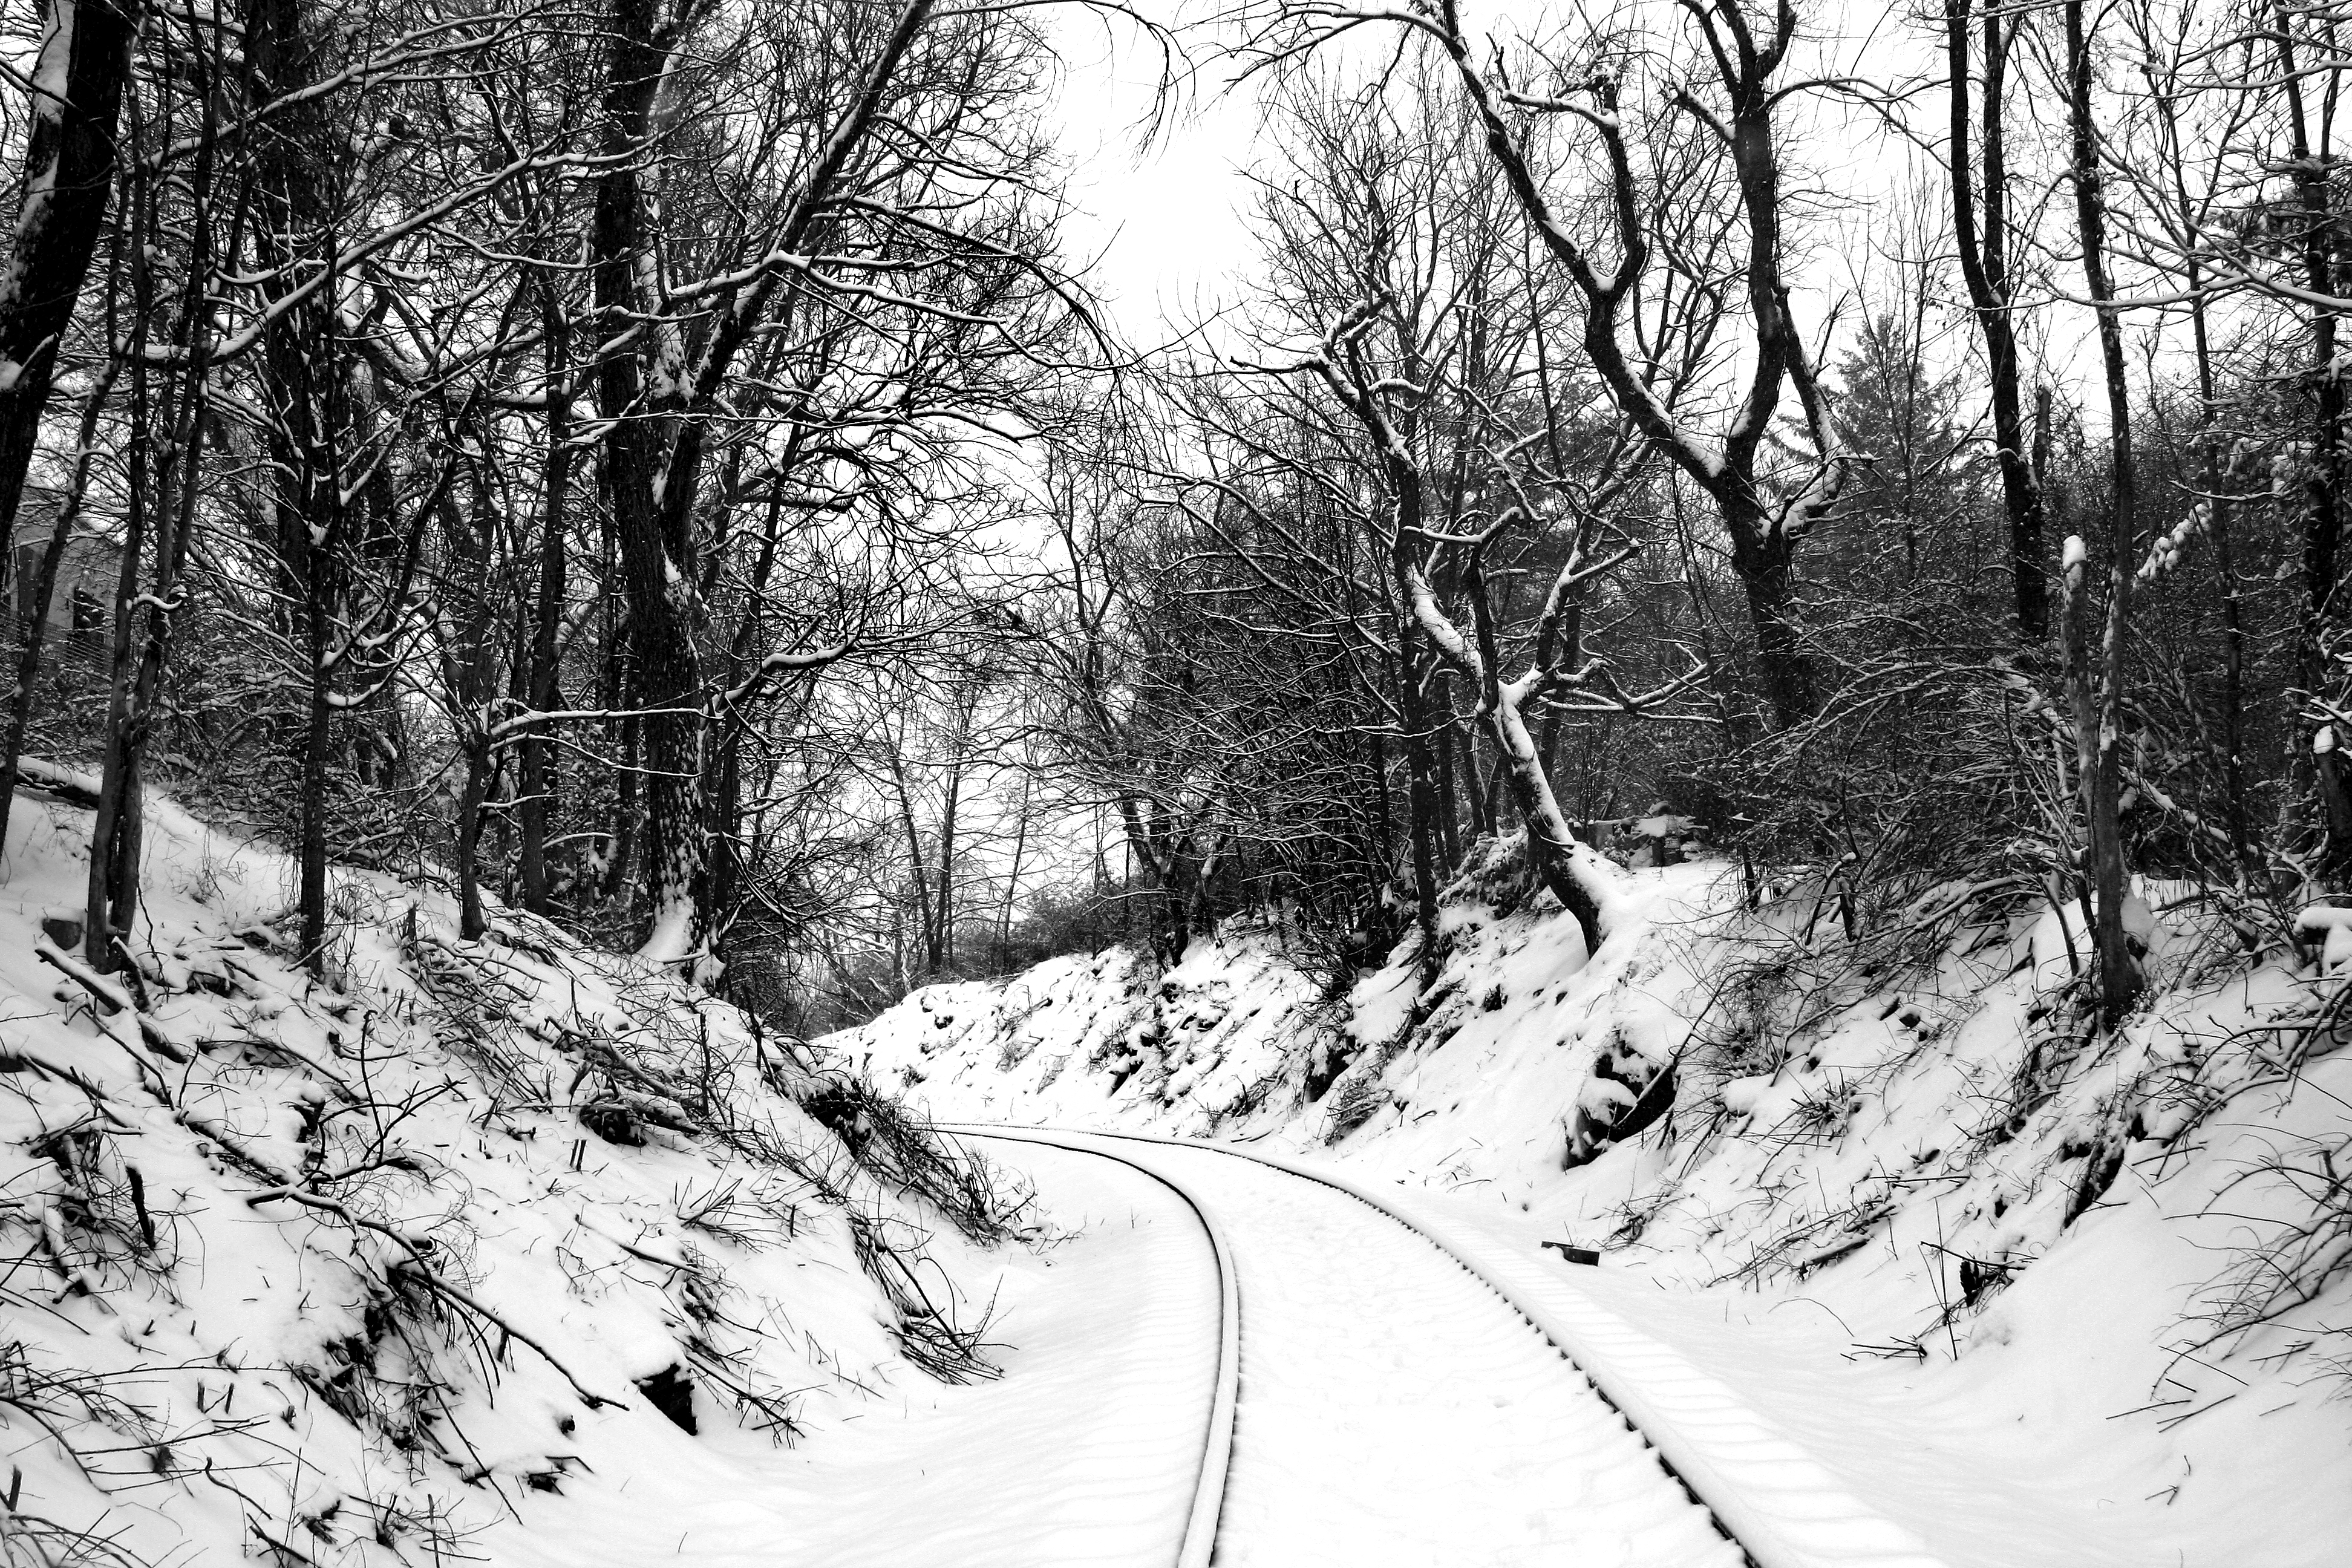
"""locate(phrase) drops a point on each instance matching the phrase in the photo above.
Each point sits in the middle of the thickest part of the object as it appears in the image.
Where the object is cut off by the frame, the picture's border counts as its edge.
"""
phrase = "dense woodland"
(661, 465)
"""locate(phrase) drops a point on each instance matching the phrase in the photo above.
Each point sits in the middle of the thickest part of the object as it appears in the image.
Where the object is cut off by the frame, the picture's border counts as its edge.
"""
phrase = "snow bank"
(432, 1260)
(2044, 1296)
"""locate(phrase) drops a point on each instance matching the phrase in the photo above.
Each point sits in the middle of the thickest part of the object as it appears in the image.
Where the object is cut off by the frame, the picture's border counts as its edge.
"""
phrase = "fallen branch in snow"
(252, 1164)
(99, 1102)
(294, 1194)
(113, 996)
(71, 785)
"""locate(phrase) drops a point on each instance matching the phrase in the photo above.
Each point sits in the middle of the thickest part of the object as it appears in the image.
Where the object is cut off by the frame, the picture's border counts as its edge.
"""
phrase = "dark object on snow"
(2106, 1162)
(1589, 1137)
(671, 1392)
(1979, 1278)
(613, 1121)
(63, 929)
(1573, 1254)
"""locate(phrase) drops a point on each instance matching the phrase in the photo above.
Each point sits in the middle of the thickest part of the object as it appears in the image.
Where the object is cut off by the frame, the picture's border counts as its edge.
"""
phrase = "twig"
(433, 1276)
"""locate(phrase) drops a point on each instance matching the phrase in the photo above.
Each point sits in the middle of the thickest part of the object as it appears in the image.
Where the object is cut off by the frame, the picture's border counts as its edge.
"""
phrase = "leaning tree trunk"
(1560, 861)
(44, 586)
(76, 106)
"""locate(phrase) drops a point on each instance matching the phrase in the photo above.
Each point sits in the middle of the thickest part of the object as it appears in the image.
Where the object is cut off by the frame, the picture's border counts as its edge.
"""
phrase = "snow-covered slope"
(434, 1260)
(2048, 1295)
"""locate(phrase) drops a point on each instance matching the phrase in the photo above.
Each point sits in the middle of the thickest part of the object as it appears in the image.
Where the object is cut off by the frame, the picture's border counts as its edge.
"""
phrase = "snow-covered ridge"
(2092, 1290)
(433, 1259)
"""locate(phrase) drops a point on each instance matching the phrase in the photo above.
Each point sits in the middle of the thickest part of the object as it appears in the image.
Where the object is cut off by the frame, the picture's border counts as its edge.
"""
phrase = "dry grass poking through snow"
(337, 1273)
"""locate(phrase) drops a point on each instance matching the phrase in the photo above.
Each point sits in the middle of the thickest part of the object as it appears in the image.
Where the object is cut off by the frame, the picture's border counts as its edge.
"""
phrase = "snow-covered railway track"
(1400, 1411)
(1198, 1546)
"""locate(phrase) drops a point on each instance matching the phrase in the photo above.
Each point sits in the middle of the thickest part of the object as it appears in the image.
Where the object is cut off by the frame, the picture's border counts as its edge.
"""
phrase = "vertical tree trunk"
(2311, 168)
(2120, 975)
(310, 901)
(1984, 264)
(2233, 630)
(1764, 559)
(1013, 880)
(295, 209)
(473, 922)
(656, 557)
(942, 942)
(136, 695)
(536, 807)
(1449, 808)
(1421, 798)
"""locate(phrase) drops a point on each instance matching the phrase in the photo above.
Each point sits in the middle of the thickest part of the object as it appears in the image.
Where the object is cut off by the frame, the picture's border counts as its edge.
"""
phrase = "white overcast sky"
(1162, 222)
(1165, 223)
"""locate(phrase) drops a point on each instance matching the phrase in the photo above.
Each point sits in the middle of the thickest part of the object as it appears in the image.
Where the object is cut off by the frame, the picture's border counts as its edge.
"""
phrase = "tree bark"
(2120, 974)
(1984, 264)
(536, 807)
(35, 621)
(76, 106)
(2312, 170)
(655, 539)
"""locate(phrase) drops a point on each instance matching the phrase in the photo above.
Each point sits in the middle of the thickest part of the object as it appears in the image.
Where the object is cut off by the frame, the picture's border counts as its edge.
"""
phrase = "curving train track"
(1401, 1399)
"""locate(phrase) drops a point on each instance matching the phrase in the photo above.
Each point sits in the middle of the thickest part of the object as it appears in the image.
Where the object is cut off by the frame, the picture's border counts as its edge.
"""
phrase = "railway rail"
(1768, 1513)
(1199, 1545)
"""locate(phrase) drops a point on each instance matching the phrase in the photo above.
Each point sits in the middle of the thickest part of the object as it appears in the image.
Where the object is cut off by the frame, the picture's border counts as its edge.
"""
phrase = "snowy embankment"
(2041, 1295)
(443, 1258)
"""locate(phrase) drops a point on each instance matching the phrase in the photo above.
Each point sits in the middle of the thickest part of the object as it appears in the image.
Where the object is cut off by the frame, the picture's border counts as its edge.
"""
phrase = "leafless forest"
(663, 465)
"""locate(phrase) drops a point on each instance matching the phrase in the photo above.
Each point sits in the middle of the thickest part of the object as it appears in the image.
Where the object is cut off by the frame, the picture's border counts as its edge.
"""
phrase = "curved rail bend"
(1199, 1547)
(1807, 1535)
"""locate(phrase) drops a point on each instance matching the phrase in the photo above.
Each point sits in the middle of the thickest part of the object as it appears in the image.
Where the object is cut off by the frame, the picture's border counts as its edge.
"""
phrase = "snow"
(1083, 1454)
(1394, 1414)
(1902, 1264)
(355, 1267)
(671, 940)
(1971, 1260)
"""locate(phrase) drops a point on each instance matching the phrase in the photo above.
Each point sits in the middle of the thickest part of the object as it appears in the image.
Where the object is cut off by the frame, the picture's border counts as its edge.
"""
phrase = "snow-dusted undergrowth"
(382, 1269)
(2110, 1273)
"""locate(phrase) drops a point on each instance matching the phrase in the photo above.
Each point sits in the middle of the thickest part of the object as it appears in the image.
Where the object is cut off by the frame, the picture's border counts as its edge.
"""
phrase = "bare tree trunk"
(1984, 264)
(74, 107)
(1746, 54)
(1011, 880)
(942, 937)
(2312, 170)
(537, 785)
(656, 559)
(1553, 849)
(2119, 974)
(1421, 798)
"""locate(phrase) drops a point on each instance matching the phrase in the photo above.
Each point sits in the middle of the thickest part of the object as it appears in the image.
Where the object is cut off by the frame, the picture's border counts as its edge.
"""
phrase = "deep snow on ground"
(1929, 1223)
(404, 1268)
